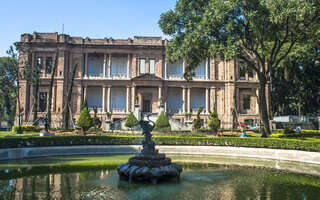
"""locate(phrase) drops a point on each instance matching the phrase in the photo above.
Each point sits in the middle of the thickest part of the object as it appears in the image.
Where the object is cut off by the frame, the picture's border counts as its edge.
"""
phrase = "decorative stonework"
(149, 165)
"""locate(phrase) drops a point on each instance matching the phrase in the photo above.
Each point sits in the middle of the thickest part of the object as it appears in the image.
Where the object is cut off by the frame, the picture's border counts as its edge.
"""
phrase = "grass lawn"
(10, 134)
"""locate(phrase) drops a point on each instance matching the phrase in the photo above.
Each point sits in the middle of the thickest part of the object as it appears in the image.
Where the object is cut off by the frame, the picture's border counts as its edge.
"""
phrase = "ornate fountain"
(149, 165)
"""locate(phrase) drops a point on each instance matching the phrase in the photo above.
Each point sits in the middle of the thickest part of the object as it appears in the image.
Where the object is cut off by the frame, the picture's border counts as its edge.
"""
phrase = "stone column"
(109, 65)
(189, 101)
(207, 100)
(134, 65)
(183, 100)
(128, 66)
(213, 68)
(104, 98)
(213, 99)
(165, 68)
(207, 68)
(86, 66)
(183, 67)
(85, 87)
(165, 98)
(104, 65)
(128, 100)
(133, 94)
(109, 99)
(79, 100)
(159, 93)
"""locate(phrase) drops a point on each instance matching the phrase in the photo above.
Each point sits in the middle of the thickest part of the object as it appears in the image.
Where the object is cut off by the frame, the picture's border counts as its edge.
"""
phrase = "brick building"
(116, 74)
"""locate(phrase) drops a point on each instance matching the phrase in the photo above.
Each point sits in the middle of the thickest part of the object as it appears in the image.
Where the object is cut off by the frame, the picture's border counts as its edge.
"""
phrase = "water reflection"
(206, 182)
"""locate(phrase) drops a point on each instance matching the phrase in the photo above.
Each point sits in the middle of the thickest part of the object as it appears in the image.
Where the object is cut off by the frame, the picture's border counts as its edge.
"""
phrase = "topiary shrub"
(214, 122)
(85, 121)
(131, 121)
(197, 122)
(288, 130)
(162, 123)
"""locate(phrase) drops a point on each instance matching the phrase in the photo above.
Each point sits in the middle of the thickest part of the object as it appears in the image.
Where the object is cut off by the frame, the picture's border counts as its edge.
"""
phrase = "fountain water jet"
(149, 165)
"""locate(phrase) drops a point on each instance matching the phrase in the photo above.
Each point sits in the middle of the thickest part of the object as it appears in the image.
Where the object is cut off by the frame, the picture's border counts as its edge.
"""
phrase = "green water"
(203, 177)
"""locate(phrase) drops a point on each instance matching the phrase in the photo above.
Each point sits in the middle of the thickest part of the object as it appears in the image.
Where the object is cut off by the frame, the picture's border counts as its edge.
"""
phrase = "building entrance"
(146, 102)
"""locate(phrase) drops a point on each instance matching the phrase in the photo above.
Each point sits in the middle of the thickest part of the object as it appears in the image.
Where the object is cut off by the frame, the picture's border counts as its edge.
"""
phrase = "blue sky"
(119, 19)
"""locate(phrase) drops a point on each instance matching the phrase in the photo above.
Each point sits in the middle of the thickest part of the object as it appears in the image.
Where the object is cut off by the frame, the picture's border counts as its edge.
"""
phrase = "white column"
(183, 100)
(128, 66)
(189, 101)
(109, 65)
(159, 92)
(109, 99)
(207, 68)
(183, 67)
(104, 98)
(128, 100)
(207, 100)
(85, 92)
(133, 94)
(104, 65)
(86, 66)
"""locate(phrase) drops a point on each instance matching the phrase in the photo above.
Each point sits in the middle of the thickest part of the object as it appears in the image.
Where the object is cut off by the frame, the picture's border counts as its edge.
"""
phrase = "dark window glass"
(48, 65)
(246, 102)
(242, 68)
(40, 63)
(42, 101)
(250, 72)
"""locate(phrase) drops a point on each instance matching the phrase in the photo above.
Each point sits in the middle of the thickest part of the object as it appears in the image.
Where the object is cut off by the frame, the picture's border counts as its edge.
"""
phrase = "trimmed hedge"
(303, 134)
(164, 140)
(25, 128)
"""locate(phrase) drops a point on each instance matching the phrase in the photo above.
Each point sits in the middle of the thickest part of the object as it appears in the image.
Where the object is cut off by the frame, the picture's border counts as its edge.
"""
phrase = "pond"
(203, 177)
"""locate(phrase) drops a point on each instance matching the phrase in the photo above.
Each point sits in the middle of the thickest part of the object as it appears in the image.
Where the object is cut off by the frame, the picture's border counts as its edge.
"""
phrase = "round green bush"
(162, 122)
(131, 121)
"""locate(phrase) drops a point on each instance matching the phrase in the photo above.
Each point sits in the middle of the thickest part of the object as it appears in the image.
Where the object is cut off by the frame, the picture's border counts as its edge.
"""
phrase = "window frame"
(140, 69)
(154, 66)
(48, 66)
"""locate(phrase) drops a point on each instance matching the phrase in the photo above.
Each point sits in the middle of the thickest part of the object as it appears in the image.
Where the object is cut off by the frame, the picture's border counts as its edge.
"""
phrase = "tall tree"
(50, 89)
(15, 75)
(296, 83)
(259, 32)
(69, 95)
(32, 75)
(7, 88)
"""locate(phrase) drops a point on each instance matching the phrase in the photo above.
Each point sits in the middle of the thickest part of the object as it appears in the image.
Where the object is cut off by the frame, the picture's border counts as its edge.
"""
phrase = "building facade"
(117, 74)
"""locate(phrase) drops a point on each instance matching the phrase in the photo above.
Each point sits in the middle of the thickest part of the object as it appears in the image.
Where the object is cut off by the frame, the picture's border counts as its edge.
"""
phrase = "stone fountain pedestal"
(150, 165)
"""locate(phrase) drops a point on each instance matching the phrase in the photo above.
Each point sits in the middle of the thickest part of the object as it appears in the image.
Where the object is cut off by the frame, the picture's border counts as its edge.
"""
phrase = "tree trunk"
(35, 104)
(263, 108)
(50, 89)
(83, 131)
(66, 114)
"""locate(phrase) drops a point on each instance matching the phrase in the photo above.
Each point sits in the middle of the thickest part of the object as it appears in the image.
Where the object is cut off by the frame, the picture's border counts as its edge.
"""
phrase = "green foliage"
(287, 130)
(303, 134)
(162, 123)
(96, 120)
(214, 122)
(255, 32)
(85, 120)
(197, 122)
(273, 143)
(25, 128)
(131, 121)
(85, 104)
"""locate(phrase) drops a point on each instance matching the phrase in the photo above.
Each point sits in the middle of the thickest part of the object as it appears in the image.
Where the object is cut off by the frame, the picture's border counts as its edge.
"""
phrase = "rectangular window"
(142, 66)
(40, 63)
(250, 72)
(48, 65)
(42, 101)
(152, 66)
(242, 68)
(246, 102)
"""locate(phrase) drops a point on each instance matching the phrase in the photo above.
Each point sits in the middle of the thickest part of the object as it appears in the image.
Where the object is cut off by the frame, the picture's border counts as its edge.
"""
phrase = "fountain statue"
(149, 165)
